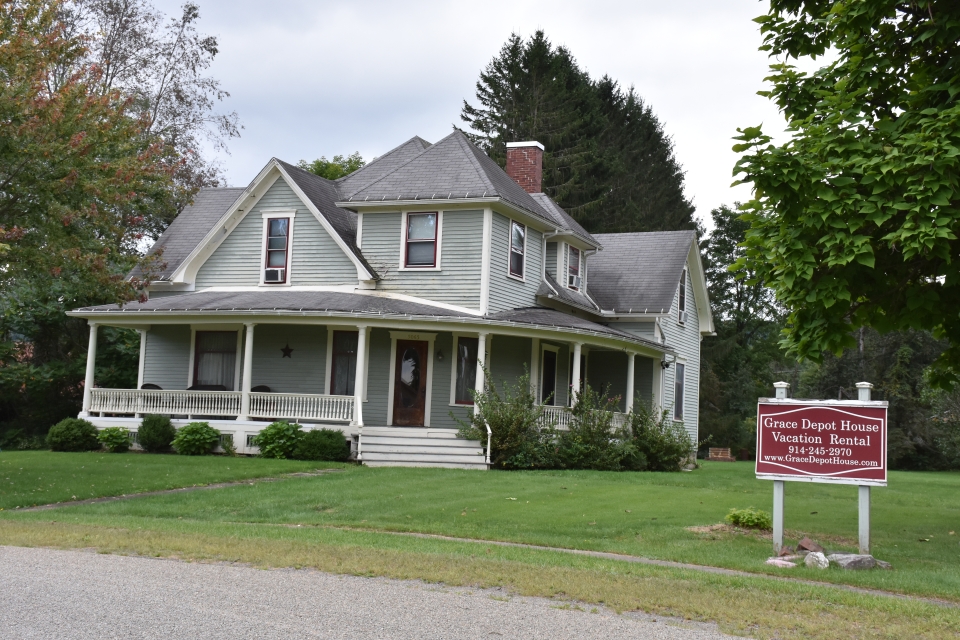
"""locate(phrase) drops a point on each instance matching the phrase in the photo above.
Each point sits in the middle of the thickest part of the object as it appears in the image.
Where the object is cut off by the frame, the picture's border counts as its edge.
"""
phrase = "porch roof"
(357, 305)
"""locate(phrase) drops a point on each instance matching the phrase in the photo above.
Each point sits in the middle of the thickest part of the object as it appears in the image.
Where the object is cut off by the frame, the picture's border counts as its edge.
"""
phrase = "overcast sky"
(315, 78)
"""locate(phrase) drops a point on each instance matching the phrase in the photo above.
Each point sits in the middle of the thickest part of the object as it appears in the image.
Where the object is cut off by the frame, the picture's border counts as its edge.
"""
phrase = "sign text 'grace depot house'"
(374, 304)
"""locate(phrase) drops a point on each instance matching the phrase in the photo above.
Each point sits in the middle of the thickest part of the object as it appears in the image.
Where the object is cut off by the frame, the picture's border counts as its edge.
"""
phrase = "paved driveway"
(46, 593)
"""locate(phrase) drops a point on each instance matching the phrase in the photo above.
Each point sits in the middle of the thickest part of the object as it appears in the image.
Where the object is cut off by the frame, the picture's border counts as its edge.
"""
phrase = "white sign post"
(863, 395)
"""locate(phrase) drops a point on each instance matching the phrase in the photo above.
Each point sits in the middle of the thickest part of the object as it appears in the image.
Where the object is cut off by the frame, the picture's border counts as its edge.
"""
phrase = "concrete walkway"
(47, 593)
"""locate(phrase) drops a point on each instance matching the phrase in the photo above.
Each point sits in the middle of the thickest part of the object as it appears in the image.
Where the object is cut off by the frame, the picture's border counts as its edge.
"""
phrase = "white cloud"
(323, 78)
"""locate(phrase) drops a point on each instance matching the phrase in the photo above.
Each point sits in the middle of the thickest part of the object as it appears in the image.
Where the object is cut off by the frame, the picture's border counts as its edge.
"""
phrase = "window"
(278, 230)
(466, 369)
(343, 369)
(682, 299)
(573, 269)
(421, 240)
(548, 378)
(215, 359)
(678, 393)
(518, 239)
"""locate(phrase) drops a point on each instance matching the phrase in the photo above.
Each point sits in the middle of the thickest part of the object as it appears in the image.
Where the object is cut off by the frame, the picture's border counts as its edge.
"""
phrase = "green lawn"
(30, 478)
(287, 523)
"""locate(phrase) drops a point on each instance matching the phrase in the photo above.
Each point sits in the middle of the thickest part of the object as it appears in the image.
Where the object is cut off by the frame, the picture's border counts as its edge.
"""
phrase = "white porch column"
(629, 397)
(91, 368)
(657, 391)
(361, 375)
(535, 367)
(575, 376)
(247, 374)
(481, 361)
(143, 356)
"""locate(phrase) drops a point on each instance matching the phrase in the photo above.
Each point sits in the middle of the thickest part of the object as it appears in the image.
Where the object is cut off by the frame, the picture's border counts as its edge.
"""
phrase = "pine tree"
(608, 161)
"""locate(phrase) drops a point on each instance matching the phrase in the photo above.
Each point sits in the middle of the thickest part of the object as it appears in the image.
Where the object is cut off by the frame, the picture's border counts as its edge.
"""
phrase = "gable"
(315, 257)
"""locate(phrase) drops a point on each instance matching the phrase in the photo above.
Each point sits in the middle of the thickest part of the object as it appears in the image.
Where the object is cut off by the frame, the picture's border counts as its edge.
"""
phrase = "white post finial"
(782, 389)
(863, 391)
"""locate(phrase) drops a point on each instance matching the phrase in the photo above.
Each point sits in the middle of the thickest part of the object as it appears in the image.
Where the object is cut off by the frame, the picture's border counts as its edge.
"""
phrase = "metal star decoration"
(286, 350)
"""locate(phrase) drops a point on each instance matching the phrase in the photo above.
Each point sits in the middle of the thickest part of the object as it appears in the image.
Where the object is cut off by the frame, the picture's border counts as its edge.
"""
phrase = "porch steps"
(419, 447)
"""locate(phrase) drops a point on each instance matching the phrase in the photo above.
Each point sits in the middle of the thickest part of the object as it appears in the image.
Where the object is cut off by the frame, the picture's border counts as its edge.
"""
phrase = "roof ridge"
(471, 155)
(358, 172)
(398, 167)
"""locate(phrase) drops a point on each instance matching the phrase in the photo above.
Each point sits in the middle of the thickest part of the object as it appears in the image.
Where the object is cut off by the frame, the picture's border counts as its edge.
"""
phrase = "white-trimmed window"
(465, 373)
(421, 240)
(573, 268)
(518, 243)
(682, 299)
(678, 391)
(277, 245)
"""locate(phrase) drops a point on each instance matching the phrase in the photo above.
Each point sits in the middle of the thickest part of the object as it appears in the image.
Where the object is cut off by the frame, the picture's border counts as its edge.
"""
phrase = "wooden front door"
(410, 383)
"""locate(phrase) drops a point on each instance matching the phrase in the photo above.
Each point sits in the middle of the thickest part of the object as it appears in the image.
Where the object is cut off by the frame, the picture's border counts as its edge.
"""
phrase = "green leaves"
(856, 217)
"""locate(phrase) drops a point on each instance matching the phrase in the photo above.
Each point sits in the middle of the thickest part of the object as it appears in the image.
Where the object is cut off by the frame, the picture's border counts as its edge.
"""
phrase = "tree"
(79, 171)
(739, 364)
(159, 64)
(332, 169)
(855, 219)
(608, 161)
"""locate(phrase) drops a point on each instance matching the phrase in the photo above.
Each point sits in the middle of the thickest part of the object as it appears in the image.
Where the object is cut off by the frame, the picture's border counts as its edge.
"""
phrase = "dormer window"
(518, 240)
(573, 268)
(420, 237)
(682, 299)
(277, 251)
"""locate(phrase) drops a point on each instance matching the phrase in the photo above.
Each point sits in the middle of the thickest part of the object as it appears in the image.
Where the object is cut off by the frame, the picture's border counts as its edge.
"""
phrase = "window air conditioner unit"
(574, 282)
(683, 317)
(274, 275)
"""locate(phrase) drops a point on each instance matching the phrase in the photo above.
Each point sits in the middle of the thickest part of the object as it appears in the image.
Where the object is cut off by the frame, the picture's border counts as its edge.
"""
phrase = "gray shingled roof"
(336, 302)
(550, 288)
(451, 168)
(189, 228)
(323, 194)
(381, 166)
(638, 272)
(562, 218)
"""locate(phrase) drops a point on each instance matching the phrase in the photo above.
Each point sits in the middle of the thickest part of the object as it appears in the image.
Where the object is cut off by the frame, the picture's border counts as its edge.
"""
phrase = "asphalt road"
(47, 593)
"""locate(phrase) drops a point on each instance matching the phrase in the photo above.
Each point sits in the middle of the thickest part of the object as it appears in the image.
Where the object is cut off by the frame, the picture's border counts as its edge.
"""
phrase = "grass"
(289, 523)
(29, 478)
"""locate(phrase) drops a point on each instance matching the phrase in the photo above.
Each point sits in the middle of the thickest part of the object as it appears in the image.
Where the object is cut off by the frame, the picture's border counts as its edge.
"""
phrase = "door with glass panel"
(215, 360)
(343, 369)
(410, 383)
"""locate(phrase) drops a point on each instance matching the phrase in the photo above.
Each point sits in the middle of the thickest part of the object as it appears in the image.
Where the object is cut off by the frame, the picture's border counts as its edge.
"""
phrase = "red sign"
(825, 441)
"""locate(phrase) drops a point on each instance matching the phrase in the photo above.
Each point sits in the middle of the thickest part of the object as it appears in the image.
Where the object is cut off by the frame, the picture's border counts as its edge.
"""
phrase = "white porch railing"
(203, 403)
(299, 406)
(560, 417)
(281, 406)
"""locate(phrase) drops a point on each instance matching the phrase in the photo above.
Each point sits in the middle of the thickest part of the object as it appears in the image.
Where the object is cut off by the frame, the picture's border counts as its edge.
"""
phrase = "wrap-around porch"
(240, 376)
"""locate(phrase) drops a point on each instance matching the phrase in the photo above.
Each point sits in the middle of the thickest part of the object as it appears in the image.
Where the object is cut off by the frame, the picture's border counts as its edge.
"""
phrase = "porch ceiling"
(217, 305)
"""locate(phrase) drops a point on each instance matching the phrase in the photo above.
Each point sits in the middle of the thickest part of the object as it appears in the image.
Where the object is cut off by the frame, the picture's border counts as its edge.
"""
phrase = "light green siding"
(686, 340)
(507, 292)
(551, 259)
(167, 359)
(441, 409)
(303, 371)
(458, 280)
(316, 258)
(508, 356)
(608, 370)
(641, 329)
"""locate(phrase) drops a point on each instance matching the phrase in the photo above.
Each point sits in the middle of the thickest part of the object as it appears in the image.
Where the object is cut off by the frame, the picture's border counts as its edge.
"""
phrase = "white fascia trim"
(187, 271)
(700, 291)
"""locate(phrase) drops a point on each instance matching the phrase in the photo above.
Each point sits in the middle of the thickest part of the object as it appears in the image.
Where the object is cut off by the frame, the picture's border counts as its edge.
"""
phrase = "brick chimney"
(525, 165)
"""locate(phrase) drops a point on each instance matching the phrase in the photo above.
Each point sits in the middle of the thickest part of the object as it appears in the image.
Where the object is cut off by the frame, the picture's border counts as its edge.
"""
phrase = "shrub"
(591, 442)
(156, 433)
(196, 439)
(229, 449)
(73, 434)
(517, 440)
(115, 439)
(278, 440)
(322, 444)
(663, 444)
(750, 518)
